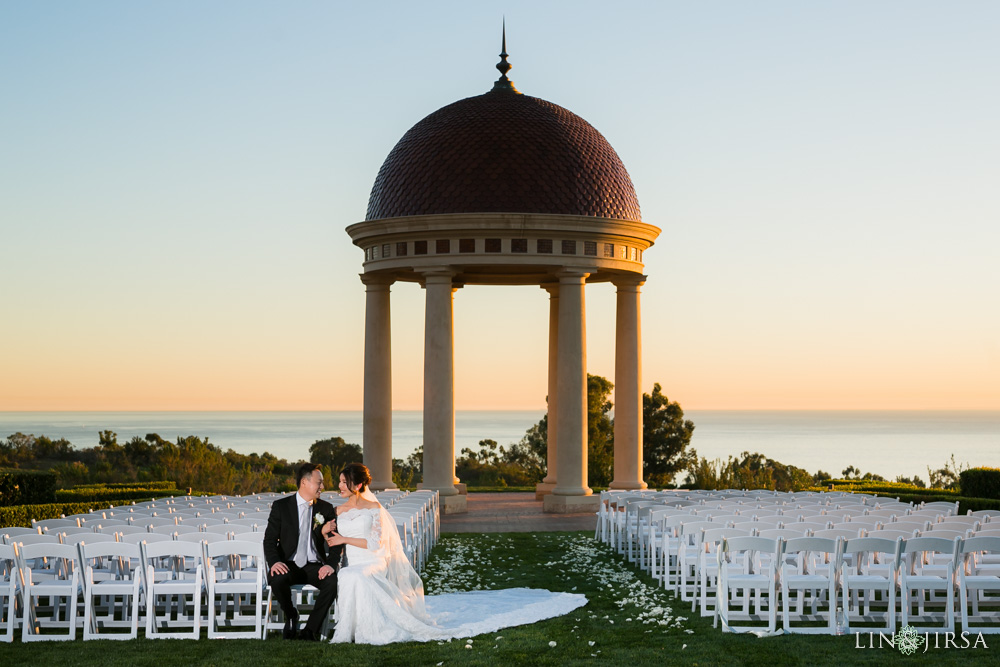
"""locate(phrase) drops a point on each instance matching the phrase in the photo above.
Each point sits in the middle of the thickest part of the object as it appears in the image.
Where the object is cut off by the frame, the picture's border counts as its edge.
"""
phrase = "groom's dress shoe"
(291, 628)
(307, 636)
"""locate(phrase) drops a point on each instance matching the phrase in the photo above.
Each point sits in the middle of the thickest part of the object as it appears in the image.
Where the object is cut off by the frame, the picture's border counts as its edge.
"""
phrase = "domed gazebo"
(505, 189)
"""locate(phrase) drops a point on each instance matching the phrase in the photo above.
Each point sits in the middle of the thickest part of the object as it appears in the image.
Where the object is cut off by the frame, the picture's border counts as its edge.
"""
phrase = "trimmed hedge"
(21, 487)
(885, 488)
(21, 515)
(103, 494)
(981, 482)
(164, 485)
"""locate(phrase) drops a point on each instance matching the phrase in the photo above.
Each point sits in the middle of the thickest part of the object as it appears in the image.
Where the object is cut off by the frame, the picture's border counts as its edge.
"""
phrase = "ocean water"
(889, 443)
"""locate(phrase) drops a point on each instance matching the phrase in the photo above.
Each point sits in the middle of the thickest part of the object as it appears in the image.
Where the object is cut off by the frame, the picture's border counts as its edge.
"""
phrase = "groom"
(297, 554)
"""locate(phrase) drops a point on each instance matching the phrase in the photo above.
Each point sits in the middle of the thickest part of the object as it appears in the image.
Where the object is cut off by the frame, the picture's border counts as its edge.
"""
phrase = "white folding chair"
(8, 591)
(923, 577)
(809, 569)
(173, 571)
(124, 581)
(979, 585)
(707, 567)
(870, 565)
(48, 570)
(748, 564)
(243, 558)
(8, 535)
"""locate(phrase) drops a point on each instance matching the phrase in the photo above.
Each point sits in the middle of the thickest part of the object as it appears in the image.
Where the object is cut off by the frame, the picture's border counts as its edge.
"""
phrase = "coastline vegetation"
(149, 466)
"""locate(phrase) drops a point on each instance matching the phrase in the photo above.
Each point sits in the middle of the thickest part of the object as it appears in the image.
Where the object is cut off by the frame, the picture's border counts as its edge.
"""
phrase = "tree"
(600, 431)
(334, 453)
(666, 436)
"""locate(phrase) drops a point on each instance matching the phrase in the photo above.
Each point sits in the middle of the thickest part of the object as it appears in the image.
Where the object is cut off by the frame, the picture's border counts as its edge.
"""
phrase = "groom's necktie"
(302, 551)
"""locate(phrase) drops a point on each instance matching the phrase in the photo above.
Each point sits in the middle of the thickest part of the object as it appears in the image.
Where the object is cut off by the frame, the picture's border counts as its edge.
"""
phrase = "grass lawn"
(627, 621)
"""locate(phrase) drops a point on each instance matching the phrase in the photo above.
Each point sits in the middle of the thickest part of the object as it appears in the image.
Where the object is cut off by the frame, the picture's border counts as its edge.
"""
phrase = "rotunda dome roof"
(503, 152)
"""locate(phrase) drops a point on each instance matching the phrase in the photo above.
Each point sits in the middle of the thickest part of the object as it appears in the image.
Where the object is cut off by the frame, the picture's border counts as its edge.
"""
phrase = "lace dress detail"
(380, 597)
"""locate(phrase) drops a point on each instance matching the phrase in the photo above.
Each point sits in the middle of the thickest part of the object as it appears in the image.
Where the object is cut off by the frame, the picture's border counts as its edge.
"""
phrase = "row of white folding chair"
(863, 565)
(54, 571)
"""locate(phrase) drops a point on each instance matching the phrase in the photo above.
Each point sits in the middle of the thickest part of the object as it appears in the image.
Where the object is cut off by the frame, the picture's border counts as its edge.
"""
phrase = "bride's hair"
(357, 476)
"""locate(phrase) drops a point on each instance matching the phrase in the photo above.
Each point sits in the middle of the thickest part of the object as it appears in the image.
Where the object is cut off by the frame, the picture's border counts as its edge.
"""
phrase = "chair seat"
(112, 587)
(867, 581)
(806, 580)
(927, 582)
(56, 587)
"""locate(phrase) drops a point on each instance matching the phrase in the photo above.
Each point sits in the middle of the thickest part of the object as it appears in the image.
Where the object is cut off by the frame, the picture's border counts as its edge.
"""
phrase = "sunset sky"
(175, 180)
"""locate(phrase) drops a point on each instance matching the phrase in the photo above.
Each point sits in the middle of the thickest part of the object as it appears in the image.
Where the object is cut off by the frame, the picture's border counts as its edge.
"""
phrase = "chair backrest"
(955, 523)
(835, 533)
(908, 525)
(254, 536)
(49, 524)
(120, 550)
(809, 525)
(155, 521)
(35, 538)
(892, 534)
(60, 560)
(931, 544)
(90, 538)
(216, 520)
(972, 545)
(170, 529)
(945, 534)
(786, 533)
(138, 538)
(8, 535)
(818, 545)
(988, 532)
(950, 507)
(872, 545)
(752, 544)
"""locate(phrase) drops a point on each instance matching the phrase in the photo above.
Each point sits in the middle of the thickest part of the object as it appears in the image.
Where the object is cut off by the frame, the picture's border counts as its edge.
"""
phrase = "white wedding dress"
(380, 598)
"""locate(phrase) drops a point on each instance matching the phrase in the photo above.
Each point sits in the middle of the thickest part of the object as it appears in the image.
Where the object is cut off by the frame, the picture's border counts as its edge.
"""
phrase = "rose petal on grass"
(552, 644)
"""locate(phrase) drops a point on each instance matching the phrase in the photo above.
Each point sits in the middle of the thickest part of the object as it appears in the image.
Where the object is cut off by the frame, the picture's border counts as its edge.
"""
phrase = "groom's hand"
(280, 568)
(325, 572)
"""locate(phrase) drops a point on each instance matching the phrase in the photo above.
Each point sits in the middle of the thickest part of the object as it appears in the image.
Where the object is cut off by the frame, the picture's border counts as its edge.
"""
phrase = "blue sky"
(175, 179)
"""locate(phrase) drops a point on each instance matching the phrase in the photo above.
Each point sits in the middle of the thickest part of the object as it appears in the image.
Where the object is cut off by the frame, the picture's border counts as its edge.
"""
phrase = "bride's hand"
(328, 528)
(334, 539)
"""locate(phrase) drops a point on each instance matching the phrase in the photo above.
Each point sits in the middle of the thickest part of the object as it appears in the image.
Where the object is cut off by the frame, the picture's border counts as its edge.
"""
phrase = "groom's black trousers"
(281, 587)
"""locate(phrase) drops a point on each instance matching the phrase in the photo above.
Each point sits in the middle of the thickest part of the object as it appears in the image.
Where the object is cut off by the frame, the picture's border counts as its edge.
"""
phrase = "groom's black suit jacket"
(281, 538)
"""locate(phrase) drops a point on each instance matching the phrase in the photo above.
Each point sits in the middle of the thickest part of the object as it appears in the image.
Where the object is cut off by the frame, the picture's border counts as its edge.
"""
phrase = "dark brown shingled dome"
(503, 152)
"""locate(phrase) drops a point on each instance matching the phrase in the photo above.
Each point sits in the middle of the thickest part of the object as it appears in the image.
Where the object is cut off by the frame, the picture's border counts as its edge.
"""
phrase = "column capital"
(377, 279)
(629, 281)
(571, 275)
(437, 275)
(552, 288)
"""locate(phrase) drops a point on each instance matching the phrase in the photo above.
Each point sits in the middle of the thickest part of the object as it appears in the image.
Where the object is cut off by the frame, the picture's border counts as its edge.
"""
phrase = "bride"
(381, 597)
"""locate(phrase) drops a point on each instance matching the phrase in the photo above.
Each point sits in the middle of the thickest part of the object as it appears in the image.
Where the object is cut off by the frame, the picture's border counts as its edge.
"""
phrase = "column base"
(443, 491)
(554, 504)
(382, 486)
(454, 504)
(629, 486)
(543, 489)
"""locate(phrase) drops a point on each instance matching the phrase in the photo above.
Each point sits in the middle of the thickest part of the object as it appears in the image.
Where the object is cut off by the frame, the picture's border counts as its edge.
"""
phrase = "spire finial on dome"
(503, 83)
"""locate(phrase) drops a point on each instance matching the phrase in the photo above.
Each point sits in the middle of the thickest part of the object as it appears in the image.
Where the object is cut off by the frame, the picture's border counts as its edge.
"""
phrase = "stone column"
(571, 493)
(628, 386)
(377, 426)
(551, 456)
(439, 391)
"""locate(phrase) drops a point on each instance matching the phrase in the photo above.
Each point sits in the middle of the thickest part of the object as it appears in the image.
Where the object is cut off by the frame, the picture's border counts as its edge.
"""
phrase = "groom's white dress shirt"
(305, 506)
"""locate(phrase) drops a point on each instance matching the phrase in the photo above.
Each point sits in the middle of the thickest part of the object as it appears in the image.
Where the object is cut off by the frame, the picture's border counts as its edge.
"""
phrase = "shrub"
(980, 482)
(104, 494)
(21, 515)
(21, 487)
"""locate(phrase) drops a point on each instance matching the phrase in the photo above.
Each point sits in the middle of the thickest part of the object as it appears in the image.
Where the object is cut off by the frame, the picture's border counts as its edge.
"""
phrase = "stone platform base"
(454, 504)
(554, 504)
(543, 489)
